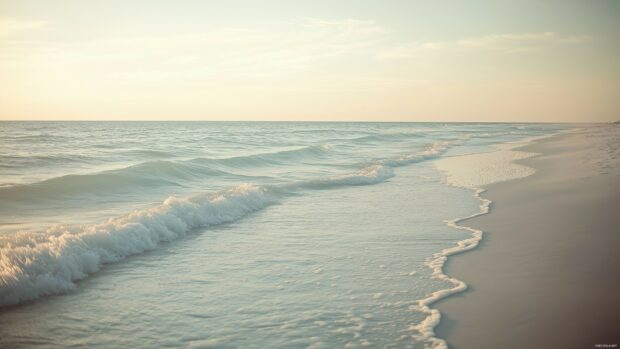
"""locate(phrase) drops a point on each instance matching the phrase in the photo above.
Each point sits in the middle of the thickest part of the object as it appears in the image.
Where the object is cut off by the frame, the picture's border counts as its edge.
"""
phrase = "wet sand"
(547, 273)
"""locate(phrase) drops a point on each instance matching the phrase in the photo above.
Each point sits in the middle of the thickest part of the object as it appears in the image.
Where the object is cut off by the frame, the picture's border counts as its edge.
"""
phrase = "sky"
(387, 60)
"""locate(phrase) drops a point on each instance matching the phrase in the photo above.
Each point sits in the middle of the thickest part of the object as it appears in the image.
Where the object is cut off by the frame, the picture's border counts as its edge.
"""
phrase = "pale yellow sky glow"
(288, 60)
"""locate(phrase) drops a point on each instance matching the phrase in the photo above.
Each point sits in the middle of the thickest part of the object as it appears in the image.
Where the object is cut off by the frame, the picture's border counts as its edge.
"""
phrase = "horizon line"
(315, 121)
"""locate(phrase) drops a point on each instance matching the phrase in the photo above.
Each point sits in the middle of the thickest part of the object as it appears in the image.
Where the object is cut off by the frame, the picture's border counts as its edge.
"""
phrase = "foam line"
(426, 329)
(436, 263)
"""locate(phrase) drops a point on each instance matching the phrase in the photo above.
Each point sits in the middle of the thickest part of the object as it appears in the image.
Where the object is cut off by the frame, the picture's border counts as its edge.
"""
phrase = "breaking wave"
(34, 264)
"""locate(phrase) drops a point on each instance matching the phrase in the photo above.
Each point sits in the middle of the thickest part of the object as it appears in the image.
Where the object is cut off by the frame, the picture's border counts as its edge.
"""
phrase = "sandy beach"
(547, 272)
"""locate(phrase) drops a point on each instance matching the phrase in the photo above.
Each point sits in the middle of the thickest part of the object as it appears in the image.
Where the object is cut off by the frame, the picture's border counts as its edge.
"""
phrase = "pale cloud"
(346, 27)
(12, 27)
(231, 53)
(515, 42)
(509, 43)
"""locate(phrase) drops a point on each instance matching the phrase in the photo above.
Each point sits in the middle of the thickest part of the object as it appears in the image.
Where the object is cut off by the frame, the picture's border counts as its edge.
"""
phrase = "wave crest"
(37, 264)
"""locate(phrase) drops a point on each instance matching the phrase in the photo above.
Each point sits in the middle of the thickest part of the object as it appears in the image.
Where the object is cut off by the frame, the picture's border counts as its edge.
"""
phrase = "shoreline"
(437, 263)
(470, 180)
(518, 293)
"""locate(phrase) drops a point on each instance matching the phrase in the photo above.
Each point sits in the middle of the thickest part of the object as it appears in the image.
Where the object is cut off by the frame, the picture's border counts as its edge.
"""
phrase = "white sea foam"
(36, 264)
(436, 263)
(371, 174)
(378, 172)
(476, 170)
(432, 151)
(468, 171)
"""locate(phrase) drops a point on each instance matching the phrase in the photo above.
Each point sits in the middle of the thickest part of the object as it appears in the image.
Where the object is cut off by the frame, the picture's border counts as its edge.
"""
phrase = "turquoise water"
(228, 235)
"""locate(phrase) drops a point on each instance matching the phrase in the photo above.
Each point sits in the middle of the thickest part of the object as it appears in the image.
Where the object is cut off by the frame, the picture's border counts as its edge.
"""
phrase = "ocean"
(233, 234)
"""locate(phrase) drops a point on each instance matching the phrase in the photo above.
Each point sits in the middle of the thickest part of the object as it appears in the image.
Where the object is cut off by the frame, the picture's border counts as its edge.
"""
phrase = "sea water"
(232, 234)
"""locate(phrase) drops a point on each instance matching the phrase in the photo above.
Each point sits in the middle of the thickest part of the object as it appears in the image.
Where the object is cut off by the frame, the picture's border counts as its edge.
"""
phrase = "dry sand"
(547, 273)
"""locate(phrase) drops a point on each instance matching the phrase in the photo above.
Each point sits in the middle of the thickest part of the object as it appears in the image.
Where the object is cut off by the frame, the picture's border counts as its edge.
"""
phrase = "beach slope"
(547, 273)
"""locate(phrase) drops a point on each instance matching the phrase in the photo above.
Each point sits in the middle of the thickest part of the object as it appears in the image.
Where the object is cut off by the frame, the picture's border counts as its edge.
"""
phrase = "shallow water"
(276, 234)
